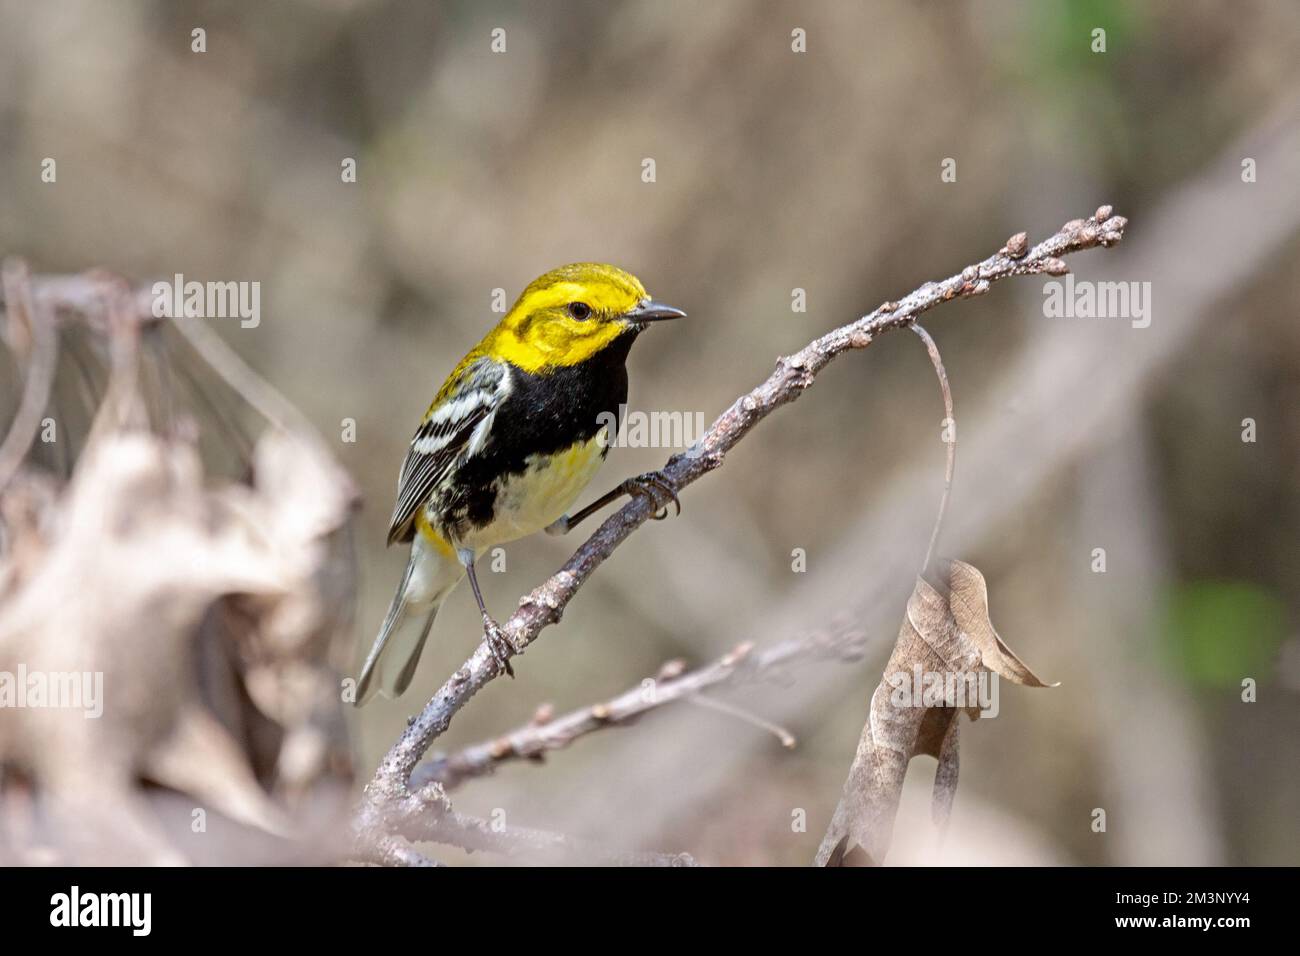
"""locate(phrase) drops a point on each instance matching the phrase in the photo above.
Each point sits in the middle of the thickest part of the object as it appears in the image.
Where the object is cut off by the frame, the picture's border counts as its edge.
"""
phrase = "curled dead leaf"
(968, 598)
(945, 644)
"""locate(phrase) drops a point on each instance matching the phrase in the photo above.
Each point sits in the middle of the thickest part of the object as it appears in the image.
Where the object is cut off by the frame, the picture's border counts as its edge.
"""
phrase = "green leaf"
(1219, 632)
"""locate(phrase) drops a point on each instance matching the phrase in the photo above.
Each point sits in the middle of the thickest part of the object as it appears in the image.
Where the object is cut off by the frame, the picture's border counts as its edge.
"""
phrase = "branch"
(473, 833)
(395, 851)
(546, 733)
(545, 605)
(426, 816)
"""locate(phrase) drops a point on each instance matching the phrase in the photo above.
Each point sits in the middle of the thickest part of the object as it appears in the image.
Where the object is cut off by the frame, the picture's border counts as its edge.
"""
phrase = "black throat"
(545, 413)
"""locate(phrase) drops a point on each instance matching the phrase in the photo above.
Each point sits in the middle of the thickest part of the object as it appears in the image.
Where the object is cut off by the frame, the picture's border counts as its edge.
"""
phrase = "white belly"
(528, 502)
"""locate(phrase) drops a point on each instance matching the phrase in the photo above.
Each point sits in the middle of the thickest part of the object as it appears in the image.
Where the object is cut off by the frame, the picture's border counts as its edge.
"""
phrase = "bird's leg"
(495, 637)
(655, 485)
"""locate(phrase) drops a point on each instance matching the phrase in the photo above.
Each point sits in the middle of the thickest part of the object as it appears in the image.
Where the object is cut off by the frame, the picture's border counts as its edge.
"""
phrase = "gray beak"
(648, 310)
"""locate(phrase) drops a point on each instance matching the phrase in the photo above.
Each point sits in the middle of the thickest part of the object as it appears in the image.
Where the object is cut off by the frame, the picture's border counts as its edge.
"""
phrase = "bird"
(512, 438)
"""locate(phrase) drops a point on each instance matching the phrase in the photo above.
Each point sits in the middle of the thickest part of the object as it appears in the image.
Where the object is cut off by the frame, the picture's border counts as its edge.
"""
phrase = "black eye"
(580, 310)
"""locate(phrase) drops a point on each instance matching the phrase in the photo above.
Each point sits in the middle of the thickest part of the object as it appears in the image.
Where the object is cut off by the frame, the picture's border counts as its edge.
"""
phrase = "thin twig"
(742, 664)
(426, 816)
(949, 422)
(731, 710)
(474, 833)
(237, 373)
(225, 420)
(395, 851)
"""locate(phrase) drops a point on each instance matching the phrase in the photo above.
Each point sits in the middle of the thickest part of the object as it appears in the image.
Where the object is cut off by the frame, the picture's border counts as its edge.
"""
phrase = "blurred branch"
(30, 335)
(472, 833)
(794, 374)
(531, 742)
(257, 391)
(395, 851)
(426, 816)
(105, 302)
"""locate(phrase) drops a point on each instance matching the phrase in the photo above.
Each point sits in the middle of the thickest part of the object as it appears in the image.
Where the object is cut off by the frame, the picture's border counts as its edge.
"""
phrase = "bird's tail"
(391, 663)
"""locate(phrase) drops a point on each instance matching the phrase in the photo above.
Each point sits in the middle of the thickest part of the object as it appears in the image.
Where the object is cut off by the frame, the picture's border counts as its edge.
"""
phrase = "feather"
(455, 427)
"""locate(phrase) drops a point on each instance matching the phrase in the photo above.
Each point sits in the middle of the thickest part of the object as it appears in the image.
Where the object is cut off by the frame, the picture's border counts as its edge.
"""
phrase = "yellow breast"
(529, 501)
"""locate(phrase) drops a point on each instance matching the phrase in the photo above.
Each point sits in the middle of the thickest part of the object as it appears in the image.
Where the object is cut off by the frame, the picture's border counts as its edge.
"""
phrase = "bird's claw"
(498, 644)
(659, 488)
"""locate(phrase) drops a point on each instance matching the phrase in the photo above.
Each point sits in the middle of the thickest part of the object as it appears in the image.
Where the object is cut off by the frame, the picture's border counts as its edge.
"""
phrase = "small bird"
(513, 437)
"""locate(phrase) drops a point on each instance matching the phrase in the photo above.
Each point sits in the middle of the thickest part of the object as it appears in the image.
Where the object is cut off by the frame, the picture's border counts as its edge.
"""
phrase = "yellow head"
(571, 313)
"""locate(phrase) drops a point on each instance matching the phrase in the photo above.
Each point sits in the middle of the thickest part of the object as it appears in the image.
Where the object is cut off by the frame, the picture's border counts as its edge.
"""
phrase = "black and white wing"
(457, 425)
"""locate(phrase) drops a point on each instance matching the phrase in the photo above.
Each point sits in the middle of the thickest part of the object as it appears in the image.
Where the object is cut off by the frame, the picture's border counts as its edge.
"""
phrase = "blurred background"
(775, 170)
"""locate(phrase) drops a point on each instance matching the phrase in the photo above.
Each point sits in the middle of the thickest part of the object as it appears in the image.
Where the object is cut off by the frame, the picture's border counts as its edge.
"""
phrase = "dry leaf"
(946, 647)
(968, 596)
(128, 581)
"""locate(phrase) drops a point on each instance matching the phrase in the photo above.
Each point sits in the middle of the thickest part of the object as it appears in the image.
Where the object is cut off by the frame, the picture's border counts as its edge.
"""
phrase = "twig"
(533, 741)
(395, 851)
(426, 816)
(473, 833)
(950, 422)
(236, 373)
(787, 739)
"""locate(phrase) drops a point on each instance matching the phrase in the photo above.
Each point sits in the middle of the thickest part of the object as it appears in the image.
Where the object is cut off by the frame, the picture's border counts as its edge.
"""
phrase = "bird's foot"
(498, 644)
(659, 488)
